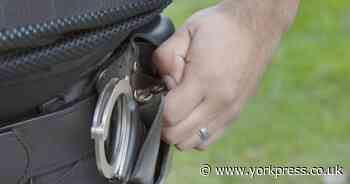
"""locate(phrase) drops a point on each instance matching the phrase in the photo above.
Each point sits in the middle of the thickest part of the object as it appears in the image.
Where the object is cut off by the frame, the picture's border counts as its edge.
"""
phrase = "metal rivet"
(157, 89)
(136, 66)
(142, 96)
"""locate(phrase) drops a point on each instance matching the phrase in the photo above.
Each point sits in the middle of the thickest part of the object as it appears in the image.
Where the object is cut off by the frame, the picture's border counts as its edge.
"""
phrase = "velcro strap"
(38, 145)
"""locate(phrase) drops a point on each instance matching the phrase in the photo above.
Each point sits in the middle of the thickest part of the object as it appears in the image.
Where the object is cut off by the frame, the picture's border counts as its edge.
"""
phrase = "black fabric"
(44, 33)
(48, 94)
(59, 65)
(57, 148)
(81, 172)
(14, 13)
(56, 77)
(46, 143)
(146, 163)
(13, 159)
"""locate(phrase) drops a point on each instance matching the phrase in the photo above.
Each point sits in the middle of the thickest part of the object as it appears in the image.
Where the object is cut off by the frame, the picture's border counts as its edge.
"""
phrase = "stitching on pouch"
(62, 180)
(27, 158)
(47, 168)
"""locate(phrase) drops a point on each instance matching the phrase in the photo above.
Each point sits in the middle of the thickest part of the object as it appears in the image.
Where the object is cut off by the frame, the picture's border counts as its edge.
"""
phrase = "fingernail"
(169, 81)
(179, 59)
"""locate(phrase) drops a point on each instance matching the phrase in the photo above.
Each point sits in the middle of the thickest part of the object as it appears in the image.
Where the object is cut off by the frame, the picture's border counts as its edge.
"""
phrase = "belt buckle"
(116, 94)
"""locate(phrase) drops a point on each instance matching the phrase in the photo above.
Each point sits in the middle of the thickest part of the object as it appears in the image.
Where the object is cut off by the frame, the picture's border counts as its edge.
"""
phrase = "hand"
(212, 65)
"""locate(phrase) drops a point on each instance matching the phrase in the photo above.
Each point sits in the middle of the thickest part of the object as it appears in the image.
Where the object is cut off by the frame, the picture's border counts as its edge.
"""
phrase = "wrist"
(268, 17)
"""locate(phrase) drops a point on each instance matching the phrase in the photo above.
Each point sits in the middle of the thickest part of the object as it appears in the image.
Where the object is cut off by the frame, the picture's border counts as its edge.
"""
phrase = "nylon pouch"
(53, 76)
(131, 83)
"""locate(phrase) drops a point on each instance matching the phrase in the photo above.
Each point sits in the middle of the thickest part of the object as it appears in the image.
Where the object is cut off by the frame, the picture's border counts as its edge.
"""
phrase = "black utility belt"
(86, 103)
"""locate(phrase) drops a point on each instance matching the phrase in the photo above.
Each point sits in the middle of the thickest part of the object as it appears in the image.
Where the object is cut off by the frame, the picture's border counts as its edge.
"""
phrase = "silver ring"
(203, 135)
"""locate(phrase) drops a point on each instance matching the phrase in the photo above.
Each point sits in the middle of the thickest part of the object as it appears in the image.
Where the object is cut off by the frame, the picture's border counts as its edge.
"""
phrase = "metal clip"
(145, 95)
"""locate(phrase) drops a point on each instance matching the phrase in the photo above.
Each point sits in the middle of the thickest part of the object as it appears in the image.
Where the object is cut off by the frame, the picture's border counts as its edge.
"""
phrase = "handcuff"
(116, 129)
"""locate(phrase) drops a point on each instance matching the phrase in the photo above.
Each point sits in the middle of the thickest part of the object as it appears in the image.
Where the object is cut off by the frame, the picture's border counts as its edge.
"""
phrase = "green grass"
(300, 116)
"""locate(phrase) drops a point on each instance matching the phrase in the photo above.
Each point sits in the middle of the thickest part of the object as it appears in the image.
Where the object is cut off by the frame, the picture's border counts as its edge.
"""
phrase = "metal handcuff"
(118, 96)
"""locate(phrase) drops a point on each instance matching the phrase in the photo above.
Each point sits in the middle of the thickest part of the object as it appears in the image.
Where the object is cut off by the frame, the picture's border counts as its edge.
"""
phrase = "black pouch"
(62, 51)
(50, 82)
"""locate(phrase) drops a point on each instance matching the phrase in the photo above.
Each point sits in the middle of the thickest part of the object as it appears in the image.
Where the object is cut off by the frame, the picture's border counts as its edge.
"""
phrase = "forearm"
(271, 16)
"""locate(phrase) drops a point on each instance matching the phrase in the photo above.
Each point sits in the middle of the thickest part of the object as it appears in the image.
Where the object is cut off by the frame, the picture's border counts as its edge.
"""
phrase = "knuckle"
(202, 147)
(169, 112)
(225, 96)
(169, 136)
(169, 140)
(182, 148)
(167, 118)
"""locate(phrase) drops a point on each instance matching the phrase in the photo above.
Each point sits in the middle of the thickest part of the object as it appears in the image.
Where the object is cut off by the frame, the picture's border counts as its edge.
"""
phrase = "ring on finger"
(204, 136)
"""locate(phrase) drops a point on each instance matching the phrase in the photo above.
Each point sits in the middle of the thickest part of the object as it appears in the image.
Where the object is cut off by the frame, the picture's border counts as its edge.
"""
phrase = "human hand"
(211, 65)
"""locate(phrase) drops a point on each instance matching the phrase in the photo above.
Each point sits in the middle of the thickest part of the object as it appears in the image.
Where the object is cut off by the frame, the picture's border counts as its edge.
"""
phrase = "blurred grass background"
(300, 116)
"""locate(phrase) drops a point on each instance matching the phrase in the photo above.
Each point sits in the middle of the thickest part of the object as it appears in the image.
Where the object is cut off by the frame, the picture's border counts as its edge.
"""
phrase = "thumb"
(169, 57)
